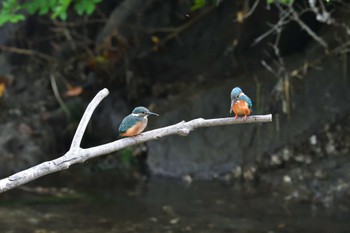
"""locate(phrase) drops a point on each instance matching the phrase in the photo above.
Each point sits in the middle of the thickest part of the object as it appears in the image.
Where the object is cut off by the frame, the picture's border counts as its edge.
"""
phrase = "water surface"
(168, 206)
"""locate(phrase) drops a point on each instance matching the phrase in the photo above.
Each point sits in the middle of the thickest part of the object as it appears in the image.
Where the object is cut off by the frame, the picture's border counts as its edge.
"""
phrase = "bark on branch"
(76, 154)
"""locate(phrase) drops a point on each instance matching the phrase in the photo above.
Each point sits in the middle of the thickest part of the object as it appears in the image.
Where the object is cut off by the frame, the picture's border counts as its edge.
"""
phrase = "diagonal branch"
(80, 155)
(86, 118)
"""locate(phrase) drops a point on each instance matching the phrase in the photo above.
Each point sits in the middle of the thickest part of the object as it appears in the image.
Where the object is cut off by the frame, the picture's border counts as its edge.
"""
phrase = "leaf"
(31, 7)
(100, 59)
(11, 10)
(44, 9)
(198, 4)
(90, 8)
(16, 18)
(79, 8)
(2, 89)
(60, 11)
(85, 6)
(240, 17)
(63, 15)
(74, 91)
(155, 39)
(280, 1)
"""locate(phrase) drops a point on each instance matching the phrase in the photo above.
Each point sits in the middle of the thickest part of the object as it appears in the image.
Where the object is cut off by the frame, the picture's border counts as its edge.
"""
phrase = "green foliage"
(39, 6)
(85, 6)
(60, 9)
(12, 10)
(126, 157)
(8, 12)
(198, 4)
(280, 1)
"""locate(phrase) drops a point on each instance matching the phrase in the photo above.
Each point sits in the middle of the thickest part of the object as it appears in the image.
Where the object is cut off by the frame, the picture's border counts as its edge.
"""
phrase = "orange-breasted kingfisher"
(241, 104)
(135, 123)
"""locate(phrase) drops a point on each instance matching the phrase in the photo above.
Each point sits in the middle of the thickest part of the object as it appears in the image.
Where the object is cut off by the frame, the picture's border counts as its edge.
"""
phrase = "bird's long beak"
(232, 103)
(152, 113)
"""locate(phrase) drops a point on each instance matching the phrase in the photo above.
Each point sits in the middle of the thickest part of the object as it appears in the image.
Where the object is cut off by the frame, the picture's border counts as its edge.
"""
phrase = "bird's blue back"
(248, 100)
(127, 123)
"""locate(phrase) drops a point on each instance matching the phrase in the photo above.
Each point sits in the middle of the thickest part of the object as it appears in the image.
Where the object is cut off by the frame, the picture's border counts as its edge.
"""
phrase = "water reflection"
(166, 206)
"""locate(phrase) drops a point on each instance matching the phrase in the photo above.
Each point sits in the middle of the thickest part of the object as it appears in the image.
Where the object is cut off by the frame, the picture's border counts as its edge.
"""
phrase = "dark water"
(168, 206)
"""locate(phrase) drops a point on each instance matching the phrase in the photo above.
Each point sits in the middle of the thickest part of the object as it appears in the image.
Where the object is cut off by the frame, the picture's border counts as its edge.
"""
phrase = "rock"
(21, 146)
(316, 99)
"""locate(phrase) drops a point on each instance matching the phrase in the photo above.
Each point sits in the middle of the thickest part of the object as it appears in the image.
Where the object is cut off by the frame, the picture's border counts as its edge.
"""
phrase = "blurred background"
(180, 59)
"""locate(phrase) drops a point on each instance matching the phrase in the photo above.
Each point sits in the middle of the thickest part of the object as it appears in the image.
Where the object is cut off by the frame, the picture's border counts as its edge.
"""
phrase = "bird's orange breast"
(241, 108)
(134, 130)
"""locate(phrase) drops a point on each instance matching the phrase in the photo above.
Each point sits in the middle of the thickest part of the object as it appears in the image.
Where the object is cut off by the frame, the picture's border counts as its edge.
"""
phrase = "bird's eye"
(237, 96)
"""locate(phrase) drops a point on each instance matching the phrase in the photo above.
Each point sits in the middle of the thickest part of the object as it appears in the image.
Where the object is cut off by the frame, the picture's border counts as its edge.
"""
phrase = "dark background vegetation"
(182, 61)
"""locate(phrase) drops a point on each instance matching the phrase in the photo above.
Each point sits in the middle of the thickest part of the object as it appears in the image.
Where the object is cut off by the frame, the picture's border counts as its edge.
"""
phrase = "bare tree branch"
(177, 30)
(303, 25)
(284, 19)
(86, 118)
(76, 154)
(321, 15)
(252, 9)
(58, 96)
(27, 52)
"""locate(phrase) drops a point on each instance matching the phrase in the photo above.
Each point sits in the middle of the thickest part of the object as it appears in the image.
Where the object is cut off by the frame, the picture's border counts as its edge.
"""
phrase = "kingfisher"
(241, 104)
(135, 123)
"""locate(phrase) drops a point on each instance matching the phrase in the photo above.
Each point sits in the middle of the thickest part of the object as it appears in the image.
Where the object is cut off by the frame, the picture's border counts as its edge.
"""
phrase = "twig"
(80, 155)
(284, 20)
(58, 96)
(269, 68)
(183, 27)
(79, 23)
(252, 9)
(325, 16)
(27, 52)
(301, 23)
(176, 31)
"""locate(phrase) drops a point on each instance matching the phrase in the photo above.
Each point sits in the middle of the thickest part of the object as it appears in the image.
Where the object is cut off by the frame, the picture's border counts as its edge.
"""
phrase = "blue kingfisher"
(241, 104)
(135, 123)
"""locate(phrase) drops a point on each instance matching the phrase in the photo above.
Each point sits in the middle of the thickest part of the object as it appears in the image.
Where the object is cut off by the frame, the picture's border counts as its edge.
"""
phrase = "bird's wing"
(126, 123)
(248, 100)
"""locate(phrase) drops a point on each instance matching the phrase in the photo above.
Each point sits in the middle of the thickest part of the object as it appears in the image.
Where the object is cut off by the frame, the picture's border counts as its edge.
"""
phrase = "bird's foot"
(245, 117)
(235, 117)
